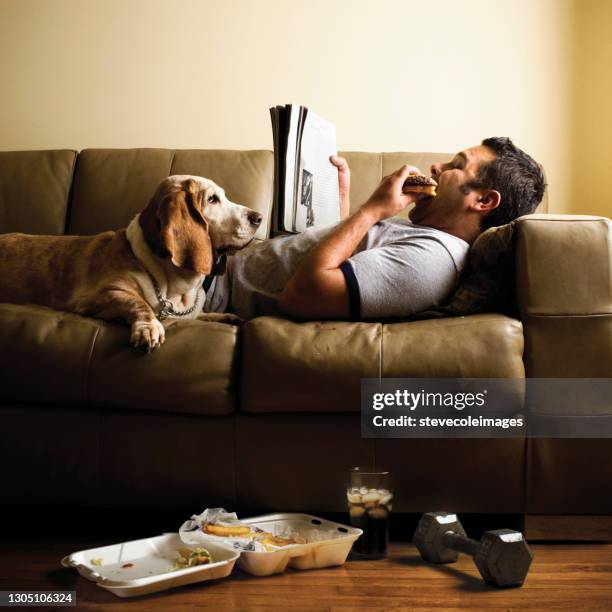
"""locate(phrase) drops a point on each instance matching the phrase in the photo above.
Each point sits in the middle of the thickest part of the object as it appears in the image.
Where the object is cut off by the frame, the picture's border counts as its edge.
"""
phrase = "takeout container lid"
(152, 557)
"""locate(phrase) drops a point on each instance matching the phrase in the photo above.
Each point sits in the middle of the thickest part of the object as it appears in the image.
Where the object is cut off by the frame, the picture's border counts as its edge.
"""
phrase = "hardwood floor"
(562, 577)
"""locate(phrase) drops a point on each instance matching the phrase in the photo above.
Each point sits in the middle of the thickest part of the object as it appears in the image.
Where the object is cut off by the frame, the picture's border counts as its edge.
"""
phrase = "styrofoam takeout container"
(153, 557)
(151, 560)
(333, 550)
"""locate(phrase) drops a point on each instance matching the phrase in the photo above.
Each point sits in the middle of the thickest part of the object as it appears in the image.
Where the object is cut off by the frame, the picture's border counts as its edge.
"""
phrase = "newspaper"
(306, 182)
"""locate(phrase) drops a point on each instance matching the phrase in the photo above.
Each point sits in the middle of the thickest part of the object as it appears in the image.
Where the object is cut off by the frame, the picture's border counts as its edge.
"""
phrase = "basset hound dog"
(151, 270)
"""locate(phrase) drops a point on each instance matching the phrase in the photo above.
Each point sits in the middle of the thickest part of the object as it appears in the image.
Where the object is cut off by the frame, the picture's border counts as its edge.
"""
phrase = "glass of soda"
(369, 496)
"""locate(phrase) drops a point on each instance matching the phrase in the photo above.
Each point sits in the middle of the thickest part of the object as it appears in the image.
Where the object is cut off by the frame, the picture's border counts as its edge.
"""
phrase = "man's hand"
(388, 199)
(344, 184)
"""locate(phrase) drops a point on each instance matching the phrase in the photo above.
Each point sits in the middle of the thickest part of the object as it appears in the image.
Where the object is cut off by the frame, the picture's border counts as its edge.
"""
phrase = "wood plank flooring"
(562, 577)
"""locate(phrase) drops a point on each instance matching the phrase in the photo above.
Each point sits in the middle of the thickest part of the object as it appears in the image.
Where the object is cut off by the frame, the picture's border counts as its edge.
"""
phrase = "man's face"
(451, 200)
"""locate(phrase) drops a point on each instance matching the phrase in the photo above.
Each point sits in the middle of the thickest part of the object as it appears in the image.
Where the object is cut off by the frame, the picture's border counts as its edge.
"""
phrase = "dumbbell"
(502, 556)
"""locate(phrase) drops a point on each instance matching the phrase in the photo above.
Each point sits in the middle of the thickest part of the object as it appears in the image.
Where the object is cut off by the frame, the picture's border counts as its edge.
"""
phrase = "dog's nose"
(255, 218)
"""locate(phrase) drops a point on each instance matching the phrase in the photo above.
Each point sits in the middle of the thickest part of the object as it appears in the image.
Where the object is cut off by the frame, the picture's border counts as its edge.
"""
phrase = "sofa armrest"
(564, 292)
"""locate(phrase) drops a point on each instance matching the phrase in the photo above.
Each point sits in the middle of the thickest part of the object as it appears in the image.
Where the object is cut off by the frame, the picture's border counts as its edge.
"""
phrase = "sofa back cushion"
(246, 176)
(112, 185)
(34, 188)
(368, 169)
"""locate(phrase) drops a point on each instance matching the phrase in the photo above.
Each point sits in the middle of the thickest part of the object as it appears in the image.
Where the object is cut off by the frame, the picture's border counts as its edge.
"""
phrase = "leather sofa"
(266, 416)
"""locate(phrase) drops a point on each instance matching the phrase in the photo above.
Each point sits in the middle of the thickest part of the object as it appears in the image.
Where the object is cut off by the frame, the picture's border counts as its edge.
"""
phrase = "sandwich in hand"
(417, 183)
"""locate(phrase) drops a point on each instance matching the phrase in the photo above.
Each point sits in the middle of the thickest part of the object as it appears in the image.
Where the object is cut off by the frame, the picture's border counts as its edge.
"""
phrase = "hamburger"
(417, 183)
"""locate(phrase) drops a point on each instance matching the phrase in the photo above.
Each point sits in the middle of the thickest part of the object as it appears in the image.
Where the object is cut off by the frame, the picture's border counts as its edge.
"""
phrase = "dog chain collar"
(166, 309)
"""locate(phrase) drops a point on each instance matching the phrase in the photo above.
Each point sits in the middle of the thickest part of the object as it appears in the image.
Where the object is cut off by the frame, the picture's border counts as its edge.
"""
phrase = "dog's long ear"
(174, 227)
(149, 217)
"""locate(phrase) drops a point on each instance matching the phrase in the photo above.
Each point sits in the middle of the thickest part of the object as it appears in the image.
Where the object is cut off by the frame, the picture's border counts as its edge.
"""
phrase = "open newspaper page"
(318, 197)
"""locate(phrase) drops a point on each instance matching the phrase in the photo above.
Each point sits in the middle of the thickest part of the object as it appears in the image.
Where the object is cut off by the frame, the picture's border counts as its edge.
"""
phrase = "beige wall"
(392, 74)
(592, 136)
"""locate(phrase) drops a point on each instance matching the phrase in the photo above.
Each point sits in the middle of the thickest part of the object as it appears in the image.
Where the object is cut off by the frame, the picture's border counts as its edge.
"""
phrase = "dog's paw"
(221, 317)
(147, 335)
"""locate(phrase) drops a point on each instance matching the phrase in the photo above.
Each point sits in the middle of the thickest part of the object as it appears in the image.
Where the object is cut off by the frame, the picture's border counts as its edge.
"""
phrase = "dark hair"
(518, 178)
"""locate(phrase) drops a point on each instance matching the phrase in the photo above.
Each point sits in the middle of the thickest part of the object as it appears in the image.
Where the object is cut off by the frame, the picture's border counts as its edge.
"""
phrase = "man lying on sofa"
(373, 266)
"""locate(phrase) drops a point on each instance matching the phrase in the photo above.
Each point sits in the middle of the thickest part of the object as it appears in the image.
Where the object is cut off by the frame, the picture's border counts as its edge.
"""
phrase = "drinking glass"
(369, 496)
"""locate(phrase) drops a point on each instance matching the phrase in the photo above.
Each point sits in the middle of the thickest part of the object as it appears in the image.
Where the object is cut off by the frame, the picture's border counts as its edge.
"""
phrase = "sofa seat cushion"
(57, 358)
(318, 366)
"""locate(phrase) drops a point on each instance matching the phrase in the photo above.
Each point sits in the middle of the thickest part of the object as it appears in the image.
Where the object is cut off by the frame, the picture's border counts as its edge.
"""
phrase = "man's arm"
(318, 288)
(344, 184)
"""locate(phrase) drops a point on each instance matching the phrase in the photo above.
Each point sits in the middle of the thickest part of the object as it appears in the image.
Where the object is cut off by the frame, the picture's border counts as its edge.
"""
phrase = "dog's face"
(231, 226)
(189, 213)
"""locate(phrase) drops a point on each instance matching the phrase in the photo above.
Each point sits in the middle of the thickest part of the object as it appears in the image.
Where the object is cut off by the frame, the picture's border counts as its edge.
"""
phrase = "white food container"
(151, 559)
(327, 552)
(328, 543)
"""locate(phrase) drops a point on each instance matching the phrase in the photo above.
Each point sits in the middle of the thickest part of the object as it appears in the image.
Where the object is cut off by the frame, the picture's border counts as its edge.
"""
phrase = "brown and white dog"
(151, 270)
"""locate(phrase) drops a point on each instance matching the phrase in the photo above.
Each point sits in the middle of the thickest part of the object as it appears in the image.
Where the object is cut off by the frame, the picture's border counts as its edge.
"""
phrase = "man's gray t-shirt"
(398, 269)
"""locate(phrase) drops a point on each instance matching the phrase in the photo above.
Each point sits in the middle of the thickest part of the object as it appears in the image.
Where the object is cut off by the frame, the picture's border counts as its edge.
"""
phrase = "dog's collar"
(208, 281)
(166, 309)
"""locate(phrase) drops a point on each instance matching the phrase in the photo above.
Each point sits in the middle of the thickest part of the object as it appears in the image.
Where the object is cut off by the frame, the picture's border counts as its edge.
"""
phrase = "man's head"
(481, 187)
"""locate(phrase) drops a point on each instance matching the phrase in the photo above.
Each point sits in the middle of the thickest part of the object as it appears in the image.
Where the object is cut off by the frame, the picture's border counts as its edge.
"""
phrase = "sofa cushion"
(478, 346)
(306, 367)
(246, 176)
(564, 290)
(57, 358)
(34, 188)
(564, 265)
(317, 367)
(112, 185)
